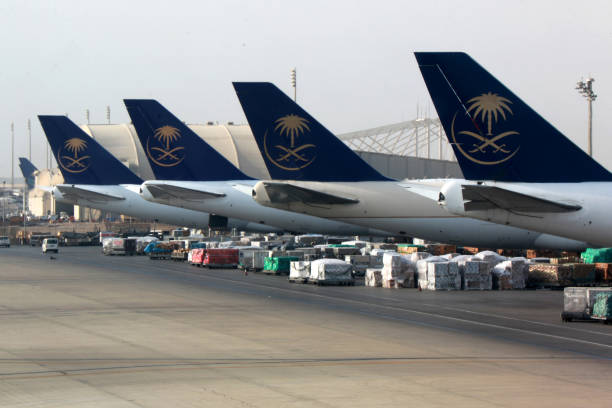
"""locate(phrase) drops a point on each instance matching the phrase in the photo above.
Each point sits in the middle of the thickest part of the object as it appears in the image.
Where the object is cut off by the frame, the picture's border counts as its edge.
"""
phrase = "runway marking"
(396, 308)
(521, 320)
(221, 364)
(354, 301)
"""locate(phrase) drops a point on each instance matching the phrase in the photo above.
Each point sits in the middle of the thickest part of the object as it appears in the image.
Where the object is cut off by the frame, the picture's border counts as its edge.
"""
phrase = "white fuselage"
(392, 207)
(238, 202)
(592, 223)
(134, 205)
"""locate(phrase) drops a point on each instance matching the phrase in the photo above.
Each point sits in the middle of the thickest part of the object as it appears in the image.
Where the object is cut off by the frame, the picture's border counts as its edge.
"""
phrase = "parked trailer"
(578, 302)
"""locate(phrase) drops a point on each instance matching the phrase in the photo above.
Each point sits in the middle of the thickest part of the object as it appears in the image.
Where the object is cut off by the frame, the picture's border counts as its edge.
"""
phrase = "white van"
(50, 244)
(5, 242)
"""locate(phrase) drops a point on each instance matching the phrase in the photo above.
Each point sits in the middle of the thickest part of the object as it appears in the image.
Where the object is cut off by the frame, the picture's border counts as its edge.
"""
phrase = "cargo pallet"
(604, 319)
(332, 282)
(220, 266)
(298, 280)
(569, 317)
(267, 272)
(159, 256)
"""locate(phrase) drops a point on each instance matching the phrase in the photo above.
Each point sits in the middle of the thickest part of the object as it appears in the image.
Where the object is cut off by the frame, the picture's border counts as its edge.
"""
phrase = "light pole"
(12, 156)
(294, 83)
(586, 89)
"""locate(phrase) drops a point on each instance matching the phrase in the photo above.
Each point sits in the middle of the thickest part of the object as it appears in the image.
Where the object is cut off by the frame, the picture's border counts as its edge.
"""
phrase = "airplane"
(315, 173)
(519, 169)
(95, 178)
(28, 169)
(191, 174)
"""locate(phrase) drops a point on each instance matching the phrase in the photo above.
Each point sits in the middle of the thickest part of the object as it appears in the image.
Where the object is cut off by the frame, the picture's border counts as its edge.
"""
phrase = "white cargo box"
(299, 271)
(373, 277)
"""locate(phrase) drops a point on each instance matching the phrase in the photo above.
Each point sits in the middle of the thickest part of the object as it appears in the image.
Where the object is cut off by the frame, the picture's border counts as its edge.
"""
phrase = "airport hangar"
(407, 150)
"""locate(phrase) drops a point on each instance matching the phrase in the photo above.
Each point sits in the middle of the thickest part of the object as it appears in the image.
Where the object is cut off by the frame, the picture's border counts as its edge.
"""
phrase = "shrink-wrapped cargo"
(476, 275)
(341, 251)
(299, 271)
(392, 259)
(373, 277)
(502, 276)
(356, 243)
(443, 276)
(450, 256)
(382, 245)
(490, 257)
(330, 271)
(309, 239)
(421, 270)
(360, 263)
(417, 256)
(376, 257)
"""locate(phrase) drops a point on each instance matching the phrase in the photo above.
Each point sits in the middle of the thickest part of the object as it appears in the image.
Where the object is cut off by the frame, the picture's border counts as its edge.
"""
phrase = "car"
(5, 242)
(50, 245)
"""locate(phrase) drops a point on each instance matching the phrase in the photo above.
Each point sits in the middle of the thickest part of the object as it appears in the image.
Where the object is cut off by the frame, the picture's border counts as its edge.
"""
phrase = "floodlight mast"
(585, 88)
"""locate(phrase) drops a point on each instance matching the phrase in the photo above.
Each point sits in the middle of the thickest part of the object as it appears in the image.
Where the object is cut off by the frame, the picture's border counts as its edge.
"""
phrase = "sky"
(354, 59)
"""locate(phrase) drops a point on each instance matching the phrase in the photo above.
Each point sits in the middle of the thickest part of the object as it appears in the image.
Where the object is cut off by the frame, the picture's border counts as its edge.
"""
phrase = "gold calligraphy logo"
(71, 161)
(161, 151)
(486, 147)
(289, 128)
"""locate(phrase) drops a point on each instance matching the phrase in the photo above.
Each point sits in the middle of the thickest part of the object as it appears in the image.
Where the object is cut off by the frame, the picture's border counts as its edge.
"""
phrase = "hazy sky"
(354, 58)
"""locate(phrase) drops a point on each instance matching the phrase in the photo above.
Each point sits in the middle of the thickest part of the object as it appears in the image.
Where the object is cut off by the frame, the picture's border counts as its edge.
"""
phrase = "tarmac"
(87, 330)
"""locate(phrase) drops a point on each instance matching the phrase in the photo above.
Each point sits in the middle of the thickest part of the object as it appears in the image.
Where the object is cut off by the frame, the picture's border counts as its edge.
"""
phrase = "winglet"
(494, 134)
(80, 158)
(293, 144)
(174, 151)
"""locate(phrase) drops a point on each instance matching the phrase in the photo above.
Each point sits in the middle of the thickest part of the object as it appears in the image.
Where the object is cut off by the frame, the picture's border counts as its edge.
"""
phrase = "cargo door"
(217, 222)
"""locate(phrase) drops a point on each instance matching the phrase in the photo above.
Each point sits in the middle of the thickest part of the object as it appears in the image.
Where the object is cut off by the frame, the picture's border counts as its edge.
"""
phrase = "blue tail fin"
(495, 135)
(293, 144)
(80, 158)
(27, 169)
(175, 151)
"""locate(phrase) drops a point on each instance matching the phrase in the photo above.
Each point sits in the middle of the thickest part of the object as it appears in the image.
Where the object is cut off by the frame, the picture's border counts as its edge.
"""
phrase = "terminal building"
(408, 150)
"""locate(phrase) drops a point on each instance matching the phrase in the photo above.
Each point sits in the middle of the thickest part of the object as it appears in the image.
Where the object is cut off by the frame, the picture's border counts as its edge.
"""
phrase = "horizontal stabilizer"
(287, 193)
(427, 191)
(80, 193)
(480, 197)
(169, 191)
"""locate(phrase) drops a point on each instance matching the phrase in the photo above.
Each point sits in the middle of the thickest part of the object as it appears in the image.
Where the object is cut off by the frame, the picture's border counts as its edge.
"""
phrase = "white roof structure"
(421, 138)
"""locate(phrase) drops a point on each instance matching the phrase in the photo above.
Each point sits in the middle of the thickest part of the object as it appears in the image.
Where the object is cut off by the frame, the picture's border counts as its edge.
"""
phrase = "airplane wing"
(287, 193)
(169, 191)
(487, 197)
(79, 193)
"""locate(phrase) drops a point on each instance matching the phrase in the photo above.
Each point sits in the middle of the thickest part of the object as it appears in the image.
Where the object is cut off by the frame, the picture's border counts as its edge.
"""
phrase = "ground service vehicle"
(50, 245)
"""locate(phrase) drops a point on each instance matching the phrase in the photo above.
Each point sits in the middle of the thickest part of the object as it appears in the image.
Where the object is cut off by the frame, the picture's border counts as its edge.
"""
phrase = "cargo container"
(221, 258)
(579, 302)
(279, 265)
